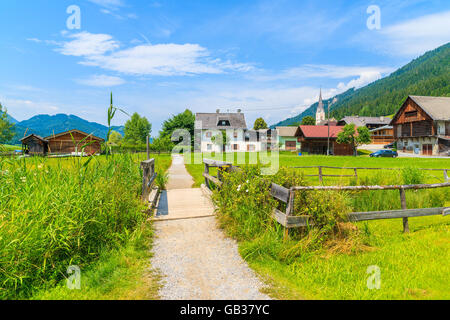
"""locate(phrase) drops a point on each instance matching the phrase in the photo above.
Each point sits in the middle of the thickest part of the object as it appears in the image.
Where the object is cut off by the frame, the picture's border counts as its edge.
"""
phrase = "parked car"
(385, 153)
(389, 146)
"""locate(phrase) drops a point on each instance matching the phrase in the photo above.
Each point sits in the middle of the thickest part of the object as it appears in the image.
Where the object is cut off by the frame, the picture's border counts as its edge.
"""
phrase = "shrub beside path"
(194, 257)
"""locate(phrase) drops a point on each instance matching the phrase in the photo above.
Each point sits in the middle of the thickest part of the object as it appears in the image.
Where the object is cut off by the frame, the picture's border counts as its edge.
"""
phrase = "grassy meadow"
(332, 262)
(58, 212)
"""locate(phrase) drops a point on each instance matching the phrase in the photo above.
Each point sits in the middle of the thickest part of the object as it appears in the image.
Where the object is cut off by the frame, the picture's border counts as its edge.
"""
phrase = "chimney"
(218, 111)
(239, 110)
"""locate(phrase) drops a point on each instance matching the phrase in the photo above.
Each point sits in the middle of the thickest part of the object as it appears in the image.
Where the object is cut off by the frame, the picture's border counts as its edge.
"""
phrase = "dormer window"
(223, 123)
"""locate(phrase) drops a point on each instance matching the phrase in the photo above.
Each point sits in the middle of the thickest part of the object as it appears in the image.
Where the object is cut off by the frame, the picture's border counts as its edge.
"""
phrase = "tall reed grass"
(57, 213)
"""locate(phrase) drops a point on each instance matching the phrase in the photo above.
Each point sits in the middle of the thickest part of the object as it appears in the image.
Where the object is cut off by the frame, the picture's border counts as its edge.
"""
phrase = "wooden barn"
(422, 125)
(382, 135)
(314, 140)
(34, 145)
(72, 141)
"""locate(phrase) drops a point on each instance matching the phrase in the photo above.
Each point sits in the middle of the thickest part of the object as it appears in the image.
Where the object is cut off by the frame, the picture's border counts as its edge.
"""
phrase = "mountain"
(428, 75)
(46, 125)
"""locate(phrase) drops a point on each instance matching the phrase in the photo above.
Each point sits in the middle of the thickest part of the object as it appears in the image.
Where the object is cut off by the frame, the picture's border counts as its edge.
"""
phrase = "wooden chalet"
(382, 135)
(34, 145)
(69, 143)
(422, 125)
(314, 140)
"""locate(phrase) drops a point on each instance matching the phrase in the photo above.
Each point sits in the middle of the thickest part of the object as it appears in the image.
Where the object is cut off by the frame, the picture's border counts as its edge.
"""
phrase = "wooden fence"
(287, 196)
(321, 175)
(149, 193)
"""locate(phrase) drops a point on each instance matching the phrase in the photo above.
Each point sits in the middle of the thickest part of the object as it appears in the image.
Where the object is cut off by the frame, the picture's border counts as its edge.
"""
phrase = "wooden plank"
(404, 207)
(362, 188)
(216, 163)
(279, 216)
(147, 163)
(362, 168)
(290, 222)
(213, 179)
(396, 214)
(279, 192)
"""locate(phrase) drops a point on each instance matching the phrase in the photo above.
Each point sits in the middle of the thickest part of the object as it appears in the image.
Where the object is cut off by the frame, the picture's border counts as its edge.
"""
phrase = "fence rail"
(287, 196)
(321, 175)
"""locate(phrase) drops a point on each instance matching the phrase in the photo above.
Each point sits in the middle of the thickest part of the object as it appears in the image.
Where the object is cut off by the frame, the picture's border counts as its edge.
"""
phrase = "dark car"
(385, 153)
(389, 146)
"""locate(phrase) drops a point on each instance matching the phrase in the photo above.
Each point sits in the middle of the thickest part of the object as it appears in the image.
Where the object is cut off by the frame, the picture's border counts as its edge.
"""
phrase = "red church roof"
(320, 131)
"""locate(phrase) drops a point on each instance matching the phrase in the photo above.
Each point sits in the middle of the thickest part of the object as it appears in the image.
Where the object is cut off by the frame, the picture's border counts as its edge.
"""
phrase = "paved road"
(195, 258)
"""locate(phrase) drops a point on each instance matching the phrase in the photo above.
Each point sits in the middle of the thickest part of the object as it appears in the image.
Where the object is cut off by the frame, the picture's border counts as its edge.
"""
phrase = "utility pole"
(328, 124)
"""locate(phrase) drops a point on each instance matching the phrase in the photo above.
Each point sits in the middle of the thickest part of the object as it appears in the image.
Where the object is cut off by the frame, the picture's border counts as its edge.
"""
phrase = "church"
(320, 113)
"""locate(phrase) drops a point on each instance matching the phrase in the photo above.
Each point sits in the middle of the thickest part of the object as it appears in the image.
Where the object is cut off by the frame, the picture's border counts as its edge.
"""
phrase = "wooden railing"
(287, 196)
(148, 179)
(321, 175)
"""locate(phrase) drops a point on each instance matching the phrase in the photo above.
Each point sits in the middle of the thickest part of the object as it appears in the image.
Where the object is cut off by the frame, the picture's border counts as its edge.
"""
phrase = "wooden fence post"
(148, 147)
(320, 174)
(403, 201)
(356, 174)
(206, 179)
(289, 210)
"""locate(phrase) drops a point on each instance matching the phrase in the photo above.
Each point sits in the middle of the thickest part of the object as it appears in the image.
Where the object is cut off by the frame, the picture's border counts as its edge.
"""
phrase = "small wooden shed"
(34, 145)
(72, 141)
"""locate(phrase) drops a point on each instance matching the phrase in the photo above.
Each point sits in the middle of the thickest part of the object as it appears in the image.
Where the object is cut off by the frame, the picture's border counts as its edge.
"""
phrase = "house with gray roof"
(210, 125)
(422, 125)
(369, 122)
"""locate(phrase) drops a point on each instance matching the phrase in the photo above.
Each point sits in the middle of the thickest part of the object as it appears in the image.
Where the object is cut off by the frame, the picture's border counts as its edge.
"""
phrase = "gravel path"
(197, 261)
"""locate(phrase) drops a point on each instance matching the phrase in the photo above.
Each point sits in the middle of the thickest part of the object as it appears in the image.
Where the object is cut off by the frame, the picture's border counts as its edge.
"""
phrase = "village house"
(422, 125)
(369, 122)
(382, 135)
(65, 143)
(314, 140)
(287, 138)
(210, 125)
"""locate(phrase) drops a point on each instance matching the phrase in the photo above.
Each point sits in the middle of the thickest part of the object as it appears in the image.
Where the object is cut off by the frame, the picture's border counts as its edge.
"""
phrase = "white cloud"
(101, 50)
(409, 38)
(101, 81)
(88, 44)
(416, 36)
(108, 3)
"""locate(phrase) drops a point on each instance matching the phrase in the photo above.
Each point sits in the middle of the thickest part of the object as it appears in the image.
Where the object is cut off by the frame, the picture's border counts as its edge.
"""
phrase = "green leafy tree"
(6, 128)
(260, 124)
(354, 137)
(221, 139)
(137, 129)
(308, 121)
(184, 120)
(162, 144)
(115, 138)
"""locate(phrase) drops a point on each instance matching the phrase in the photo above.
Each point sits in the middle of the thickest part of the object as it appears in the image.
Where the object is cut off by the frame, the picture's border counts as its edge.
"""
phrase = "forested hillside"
(427, 75)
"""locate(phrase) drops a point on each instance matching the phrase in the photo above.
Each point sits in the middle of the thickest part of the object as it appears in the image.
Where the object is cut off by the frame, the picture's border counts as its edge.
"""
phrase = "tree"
(162, 144)
(6, 127)
(114, 138)
(137, 129)
(354, 137)
(184, 120)
(308, 121)
(221, 139)
(260, 124)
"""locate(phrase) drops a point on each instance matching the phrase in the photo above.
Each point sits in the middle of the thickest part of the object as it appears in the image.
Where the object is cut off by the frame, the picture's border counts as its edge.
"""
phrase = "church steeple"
(320, 113)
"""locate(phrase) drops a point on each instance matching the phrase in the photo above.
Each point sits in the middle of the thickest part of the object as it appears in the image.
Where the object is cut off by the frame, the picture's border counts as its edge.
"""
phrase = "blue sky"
(269, 58)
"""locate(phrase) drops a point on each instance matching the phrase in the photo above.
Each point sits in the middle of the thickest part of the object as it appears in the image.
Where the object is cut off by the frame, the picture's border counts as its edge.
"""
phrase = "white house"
(211, 125)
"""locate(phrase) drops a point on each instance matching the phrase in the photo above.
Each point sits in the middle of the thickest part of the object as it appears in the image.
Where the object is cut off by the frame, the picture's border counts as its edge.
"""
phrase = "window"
(209, 147)
(208, 134)
(223, 123)
(235, 134)
(235, 147)
(411, 114)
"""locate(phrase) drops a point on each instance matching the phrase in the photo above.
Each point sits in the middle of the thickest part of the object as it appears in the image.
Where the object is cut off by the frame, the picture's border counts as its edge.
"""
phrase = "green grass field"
(57, 212)
(412, 266)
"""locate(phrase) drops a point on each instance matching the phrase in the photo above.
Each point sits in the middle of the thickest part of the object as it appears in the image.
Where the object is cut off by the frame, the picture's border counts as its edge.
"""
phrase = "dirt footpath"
(194, 257)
